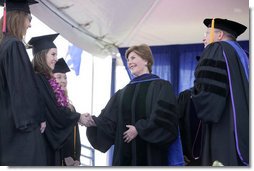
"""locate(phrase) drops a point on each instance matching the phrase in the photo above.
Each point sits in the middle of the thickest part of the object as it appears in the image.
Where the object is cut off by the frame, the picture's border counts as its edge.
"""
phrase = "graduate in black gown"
(221, 95)
(21, 110)
(140, 120)
(71, 149)
(59, 117)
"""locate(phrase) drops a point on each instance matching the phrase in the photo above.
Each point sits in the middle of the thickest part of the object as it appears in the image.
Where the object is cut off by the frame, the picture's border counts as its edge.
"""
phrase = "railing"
(87, 156)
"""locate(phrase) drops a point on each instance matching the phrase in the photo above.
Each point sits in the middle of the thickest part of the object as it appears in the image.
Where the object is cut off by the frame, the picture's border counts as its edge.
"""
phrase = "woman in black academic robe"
(59, 117)
(21, 110)
(60, 122)
(71, 150)
(140, 120)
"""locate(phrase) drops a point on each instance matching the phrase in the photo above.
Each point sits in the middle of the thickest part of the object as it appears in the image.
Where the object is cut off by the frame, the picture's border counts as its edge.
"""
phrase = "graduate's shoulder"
(40, 78)
(11, 40)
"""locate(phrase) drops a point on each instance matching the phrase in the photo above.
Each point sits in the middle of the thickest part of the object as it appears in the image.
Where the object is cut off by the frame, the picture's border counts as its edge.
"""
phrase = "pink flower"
(59, 92)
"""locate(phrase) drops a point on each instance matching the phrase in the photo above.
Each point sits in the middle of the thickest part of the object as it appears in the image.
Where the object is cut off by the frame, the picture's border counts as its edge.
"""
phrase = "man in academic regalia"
(221, 95)
(21, 140)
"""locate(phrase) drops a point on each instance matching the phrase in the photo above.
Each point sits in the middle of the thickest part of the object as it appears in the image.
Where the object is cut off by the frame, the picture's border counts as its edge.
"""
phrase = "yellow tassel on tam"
(212, 32)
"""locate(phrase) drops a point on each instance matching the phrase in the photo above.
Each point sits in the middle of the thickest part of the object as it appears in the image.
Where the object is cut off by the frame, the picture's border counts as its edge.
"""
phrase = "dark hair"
(15, 24)
(144, 52)
(40, 64)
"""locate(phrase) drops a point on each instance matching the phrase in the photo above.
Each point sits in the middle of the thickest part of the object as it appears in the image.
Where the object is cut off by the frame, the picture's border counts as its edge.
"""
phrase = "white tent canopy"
(100, 26)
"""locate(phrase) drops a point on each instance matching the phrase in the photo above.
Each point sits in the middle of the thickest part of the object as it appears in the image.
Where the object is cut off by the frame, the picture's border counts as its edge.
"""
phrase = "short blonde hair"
(144, 52)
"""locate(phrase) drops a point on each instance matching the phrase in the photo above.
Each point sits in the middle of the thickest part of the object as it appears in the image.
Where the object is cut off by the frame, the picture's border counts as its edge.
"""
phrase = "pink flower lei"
(59, 92)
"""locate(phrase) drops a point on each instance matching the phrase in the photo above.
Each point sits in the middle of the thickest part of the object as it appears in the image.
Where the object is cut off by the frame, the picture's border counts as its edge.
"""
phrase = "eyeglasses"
(208, 32)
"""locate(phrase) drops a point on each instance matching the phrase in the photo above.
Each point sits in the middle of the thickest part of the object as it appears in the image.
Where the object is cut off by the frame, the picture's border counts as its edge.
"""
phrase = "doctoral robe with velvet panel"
(149, 106)
(222, 103)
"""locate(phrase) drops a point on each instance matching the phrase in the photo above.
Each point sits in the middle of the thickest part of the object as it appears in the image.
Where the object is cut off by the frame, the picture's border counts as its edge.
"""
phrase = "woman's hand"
(130, 134)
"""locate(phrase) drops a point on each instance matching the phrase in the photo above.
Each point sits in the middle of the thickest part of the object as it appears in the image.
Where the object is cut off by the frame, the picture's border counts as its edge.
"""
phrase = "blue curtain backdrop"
(176, 63)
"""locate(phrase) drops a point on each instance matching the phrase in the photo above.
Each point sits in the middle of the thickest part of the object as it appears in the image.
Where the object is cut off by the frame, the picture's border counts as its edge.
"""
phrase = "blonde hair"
(15, 24)
(144, 52)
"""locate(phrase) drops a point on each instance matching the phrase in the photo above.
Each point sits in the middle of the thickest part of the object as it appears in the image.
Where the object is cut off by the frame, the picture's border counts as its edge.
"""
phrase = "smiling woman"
(140, 120)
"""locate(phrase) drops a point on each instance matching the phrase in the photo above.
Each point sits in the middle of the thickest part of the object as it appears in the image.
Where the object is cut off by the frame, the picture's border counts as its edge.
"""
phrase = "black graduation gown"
(189, 129)
(60, 122)
(224, 139)
(150, 107)
(72, 146)
(21, 143)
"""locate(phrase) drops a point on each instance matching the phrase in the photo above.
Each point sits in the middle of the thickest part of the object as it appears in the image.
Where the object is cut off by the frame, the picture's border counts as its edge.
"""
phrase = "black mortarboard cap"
(229, 26)
(42, 42)
(61, 66)
(19, 5)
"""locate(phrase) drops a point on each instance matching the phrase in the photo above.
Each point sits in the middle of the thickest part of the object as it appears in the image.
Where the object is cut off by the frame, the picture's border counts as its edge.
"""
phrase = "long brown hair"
(40, 64)
(15, 24)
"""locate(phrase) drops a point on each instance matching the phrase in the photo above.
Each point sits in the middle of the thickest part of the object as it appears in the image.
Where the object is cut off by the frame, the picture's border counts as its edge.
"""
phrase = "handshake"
(86, 120)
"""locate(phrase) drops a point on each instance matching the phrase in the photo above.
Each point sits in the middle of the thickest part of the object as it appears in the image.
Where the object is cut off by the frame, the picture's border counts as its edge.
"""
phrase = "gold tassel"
(212, 32)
